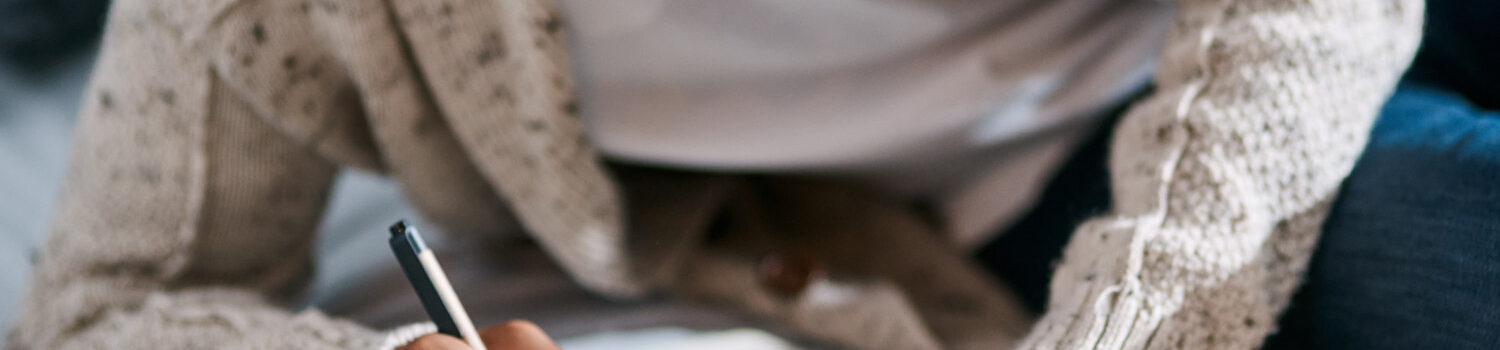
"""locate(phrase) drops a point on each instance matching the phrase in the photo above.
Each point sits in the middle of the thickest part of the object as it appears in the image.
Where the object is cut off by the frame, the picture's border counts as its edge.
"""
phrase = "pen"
(432, 286)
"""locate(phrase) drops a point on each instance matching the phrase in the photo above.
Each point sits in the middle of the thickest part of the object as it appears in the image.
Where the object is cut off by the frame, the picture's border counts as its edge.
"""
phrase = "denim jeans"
(1409, 257)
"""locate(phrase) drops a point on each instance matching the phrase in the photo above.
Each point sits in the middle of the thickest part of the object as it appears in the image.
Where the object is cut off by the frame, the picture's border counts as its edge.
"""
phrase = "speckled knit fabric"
(212, 130)
(1223, 176)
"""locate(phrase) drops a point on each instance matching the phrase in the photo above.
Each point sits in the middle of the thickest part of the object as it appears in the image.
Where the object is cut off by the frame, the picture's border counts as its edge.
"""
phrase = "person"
(212, 131)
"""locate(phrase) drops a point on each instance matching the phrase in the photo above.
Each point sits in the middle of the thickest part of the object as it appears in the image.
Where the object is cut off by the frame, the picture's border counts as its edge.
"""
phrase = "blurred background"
(46, 50)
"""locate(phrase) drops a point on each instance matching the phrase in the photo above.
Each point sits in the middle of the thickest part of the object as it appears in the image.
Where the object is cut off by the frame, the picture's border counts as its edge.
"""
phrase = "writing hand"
(513, 335)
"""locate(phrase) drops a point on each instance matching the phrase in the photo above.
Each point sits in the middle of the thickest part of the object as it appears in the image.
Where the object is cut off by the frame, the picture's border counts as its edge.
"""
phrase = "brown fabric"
(894, 282)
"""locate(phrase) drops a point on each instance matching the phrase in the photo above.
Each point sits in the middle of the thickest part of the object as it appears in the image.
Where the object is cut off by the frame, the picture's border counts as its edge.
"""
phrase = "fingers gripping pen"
(432, 286)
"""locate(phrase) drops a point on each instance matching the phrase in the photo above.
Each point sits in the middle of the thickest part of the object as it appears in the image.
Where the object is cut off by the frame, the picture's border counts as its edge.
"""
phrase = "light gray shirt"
(967, 102)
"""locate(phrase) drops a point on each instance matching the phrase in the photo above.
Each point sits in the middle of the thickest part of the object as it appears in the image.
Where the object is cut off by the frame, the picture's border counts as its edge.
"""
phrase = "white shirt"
(956, 101)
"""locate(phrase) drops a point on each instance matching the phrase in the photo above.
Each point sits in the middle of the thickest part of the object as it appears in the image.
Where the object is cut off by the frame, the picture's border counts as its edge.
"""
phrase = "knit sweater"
(212, 130)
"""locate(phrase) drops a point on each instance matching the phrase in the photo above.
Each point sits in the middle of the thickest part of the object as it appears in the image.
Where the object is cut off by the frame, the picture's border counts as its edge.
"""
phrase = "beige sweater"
(212, 129)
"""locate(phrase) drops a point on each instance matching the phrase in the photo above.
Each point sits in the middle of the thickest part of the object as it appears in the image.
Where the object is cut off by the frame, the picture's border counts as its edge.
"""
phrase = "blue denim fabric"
(1410, 255)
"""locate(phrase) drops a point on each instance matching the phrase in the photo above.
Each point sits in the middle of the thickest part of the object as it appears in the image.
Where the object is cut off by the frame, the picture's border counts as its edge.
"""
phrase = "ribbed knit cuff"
(405, 334)
(1097, 300)
(1098, 316)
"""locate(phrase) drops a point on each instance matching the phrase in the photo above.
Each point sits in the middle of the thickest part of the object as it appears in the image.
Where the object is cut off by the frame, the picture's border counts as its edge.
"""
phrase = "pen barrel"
(406, 254)
(432, 287)
(450, 300)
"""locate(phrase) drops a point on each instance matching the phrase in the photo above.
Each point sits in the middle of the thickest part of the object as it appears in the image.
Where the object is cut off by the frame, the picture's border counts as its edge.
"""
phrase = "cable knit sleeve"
(187, 218)
(1222, 177)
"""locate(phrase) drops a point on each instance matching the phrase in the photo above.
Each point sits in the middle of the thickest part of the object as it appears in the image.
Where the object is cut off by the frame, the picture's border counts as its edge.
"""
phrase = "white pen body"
(450, 299)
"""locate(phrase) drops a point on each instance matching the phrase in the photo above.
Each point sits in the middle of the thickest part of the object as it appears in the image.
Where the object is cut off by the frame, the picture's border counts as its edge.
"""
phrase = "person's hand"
(513, 335)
